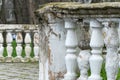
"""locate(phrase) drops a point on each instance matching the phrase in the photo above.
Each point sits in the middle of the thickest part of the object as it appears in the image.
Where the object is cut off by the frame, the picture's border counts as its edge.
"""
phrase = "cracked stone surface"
(19, 71)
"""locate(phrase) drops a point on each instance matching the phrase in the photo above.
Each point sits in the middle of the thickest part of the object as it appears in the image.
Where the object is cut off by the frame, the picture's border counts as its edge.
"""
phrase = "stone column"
(36, 45)
(96, 44)
(19, 40)
(112, 43)
(9, 40)
(1, 47)
(84, 55)
(27, 47)
(83, 63)
(71, 44)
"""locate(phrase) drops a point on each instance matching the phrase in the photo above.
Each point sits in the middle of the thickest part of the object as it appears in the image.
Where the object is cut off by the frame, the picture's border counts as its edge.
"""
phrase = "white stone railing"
(22, 43)
(104, 31)
(103, 20)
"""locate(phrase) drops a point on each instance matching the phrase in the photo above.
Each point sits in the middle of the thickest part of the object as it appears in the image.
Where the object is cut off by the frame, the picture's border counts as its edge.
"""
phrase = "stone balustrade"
(19, 43)
(103, 20)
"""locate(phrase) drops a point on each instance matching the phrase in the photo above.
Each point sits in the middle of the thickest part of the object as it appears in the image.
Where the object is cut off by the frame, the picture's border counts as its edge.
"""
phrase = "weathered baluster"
(84, 55)
(9, 40)
(71, 44)
(112, 43)
(36, 45)
(83, 63)
(1, 47)
(96, 44)
(19, 40)
(27, 47)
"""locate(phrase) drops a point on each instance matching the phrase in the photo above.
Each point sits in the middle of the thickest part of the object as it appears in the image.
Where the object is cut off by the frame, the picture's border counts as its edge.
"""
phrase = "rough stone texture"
(56, 54)
(19, 71)
(76, 6)
(112, 43)
(78, 10)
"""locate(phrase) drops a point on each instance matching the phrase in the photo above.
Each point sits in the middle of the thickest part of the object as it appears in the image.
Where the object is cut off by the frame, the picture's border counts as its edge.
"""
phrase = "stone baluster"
(19, 40)
(71, 44)
(9, 40)
(96, 44)
(1, 47)
(27, 47)
(36, 45)
(84, 55)
(83, 63)
(112, 43)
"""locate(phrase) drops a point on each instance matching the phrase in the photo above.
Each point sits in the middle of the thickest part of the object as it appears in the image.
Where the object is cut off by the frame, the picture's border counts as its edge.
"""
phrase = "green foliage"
(14, 44)
(5, 52)
(103, 73)
(118, 76)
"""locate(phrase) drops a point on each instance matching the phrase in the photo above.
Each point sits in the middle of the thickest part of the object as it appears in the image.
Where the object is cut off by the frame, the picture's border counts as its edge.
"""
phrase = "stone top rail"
(78, 10)
(18, 27)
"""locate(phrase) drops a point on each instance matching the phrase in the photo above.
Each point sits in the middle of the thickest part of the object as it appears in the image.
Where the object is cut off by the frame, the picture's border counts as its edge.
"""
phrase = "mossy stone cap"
(75, 9)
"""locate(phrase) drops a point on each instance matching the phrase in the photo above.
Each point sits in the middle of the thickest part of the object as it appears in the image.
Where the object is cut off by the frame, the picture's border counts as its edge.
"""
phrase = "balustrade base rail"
(17, 59)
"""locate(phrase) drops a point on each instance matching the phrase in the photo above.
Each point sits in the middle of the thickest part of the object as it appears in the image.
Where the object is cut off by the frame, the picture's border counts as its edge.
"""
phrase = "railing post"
(112, 44)
(19, 40)
(1, 47)
(9, 40)
(84, 55)
(36, 45)
(71, 45)
(96, 44)
(27, 46)
(83, 63)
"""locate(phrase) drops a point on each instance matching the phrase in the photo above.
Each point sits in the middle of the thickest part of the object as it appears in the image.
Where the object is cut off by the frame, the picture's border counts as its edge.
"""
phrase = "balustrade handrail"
(18, 27)
(78, 10)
